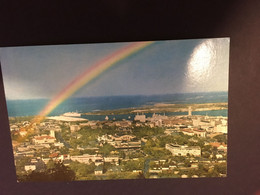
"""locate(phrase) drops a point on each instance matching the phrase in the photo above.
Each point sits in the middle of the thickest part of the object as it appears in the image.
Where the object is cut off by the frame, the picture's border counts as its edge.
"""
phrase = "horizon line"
(99, 96)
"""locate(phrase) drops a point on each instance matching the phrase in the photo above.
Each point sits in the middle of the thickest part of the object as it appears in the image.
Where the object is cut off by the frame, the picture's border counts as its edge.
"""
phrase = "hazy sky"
(165, 67)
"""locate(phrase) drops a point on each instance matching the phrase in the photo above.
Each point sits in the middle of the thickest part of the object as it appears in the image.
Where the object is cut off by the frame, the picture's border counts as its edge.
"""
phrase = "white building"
(74, 128)
(98, 171)
(112, 159)
(157, 117)
(178, 150)
(87, 159)
(189, 111)
(224, 121)
(204, 124)
(187, 132)
(29, 167)
(59, 144)
(158, 123)
(196, 122)
(14, 128)
(23, 133)
(141, 118)
(220, 129)
(52, 133)
(44, 139)
(199, 133)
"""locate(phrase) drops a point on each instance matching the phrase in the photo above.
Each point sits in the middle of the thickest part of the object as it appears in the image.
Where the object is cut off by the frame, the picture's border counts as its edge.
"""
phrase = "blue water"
(89, 104)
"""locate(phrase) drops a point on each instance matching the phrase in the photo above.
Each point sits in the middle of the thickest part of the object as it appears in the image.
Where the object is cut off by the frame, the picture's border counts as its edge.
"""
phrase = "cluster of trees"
(206, 170)
(135, 154)
(154, 149)
(56, 172)
(86, 171)
(15, 136)
(88, 137)
(156, 152)
(106, 149)
(81, 169)
(141, 132)
(20, 163)
(131, 165)
(221, 138)
(122, 175)
(155, 146)
(203, 170)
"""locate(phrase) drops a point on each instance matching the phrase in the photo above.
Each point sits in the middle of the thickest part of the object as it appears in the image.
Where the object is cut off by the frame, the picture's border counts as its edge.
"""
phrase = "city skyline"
(165, 67)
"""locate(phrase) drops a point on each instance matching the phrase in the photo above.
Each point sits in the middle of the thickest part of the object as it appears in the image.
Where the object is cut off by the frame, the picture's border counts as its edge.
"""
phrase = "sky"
(165, 67)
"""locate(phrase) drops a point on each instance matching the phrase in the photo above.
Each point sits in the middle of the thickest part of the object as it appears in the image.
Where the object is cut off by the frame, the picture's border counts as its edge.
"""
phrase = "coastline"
(163, 108)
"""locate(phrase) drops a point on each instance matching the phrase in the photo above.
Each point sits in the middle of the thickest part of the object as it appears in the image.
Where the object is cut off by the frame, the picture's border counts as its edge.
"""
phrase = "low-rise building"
(30, 167)
(124, 123)
(23, 133)
(141, 118)
(185, 150)
(87, 159)
(220, 129)
(14, 128)
(123, 137)
(98, 170)
(112, 159)
(219, 156)
(59, 144)
(199, 133)
(74, 128)
(187, 132)
(44, 139)
(219, 146)
(128, 145)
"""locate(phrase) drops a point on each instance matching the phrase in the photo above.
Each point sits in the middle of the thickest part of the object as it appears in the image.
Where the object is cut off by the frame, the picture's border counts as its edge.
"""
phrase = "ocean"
(89, 104)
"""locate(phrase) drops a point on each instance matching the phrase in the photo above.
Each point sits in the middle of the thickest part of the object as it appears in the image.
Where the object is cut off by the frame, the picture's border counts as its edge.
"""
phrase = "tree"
(75, 152)
(64, 150)
(187, 163)
(84, 169)
(22, 162)
(182, 140)
(131, 165)
(59, 173)
(122, 154)
(106, 149)
(51, 164)
(81, 169)
(205, 154)
(207, 148)
(221, 138)
(221, 168)
(106, 166)
(141, 175)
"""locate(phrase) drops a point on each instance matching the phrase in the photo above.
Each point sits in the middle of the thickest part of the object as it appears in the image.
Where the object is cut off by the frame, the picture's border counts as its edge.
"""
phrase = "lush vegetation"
(133, 163)
(56, 172)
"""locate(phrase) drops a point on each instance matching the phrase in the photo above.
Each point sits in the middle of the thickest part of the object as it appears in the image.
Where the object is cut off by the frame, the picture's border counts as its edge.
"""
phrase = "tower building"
(189, 111)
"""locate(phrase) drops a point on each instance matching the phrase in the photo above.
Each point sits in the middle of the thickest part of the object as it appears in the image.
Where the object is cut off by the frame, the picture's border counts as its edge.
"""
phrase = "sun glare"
(202, 62)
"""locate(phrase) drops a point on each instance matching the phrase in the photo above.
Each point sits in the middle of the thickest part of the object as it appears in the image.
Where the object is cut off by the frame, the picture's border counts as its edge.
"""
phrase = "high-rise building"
(189, 111)
(52, 133)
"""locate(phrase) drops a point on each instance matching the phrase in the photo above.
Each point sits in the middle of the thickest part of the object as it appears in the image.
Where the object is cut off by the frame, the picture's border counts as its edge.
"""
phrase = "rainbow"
(91, 73)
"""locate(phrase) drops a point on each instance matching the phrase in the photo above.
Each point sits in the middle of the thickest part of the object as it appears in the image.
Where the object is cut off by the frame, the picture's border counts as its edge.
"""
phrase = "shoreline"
(163, 108)
(156, 108)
